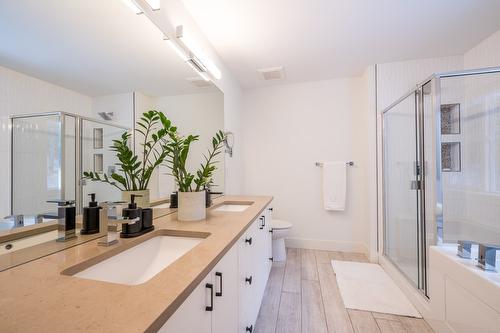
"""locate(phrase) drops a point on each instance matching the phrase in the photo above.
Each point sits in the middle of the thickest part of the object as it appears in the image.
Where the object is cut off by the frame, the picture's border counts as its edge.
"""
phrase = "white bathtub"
(463, 298)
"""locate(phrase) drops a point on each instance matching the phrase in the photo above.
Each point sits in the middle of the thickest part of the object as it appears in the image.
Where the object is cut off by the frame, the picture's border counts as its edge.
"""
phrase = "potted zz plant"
(192, 186)
(135, 171)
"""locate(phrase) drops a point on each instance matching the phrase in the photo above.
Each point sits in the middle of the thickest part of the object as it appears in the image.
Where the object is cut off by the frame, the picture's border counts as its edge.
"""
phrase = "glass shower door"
(401, 187)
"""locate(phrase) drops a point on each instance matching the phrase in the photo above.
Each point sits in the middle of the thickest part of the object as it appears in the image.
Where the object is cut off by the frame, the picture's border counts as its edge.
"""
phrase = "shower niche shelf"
(98, 138)
(450, 118)
(98, 163)
(450, 157)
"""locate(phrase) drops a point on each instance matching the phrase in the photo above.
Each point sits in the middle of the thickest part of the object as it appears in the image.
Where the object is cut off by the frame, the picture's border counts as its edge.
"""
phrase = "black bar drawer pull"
(249, 280)
(219, 293)
(248, 240)
(249, 329)
(211, 287)
(261, 222)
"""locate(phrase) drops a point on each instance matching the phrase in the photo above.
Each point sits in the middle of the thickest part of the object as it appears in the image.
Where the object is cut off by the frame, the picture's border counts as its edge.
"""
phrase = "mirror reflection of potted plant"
(192, 187)
(134, 172)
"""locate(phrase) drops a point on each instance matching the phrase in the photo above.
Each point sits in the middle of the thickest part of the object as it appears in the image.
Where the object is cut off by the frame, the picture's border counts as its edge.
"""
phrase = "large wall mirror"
(74, 76)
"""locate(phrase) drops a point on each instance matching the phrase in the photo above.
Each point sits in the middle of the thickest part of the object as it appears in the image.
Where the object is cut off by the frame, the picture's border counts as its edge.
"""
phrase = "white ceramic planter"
(142, 201)
(191, 206)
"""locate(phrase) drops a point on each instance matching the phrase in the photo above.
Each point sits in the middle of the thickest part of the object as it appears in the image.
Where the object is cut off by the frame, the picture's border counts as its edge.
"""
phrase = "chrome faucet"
(486, 259)
(464, 249)
(66, 216)
(17, 219)
(109, 217)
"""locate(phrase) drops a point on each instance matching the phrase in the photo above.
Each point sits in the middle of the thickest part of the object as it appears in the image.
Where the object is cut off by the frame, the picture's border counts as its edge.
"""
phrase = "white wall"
(201, 114)
(484, 54)
(397, 78)
(290, 127)
(122, 106)
(176, 14)
(22, 94)
(369, 108)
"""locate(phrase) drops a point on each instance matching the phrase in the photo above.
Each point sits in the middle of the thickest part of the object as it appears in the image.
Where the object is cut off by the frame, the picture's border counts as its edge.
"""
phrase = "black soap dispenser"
(132, 212)
(90, 223)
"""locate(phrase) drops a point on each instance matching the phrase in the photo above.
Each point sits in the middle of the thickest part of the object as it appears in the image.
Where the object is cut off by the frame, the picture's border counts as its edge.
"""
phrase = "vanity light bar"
(194, 63)
(187, 51)
(202, 73)
(133, 6)
(196, 54)
(177, 49)
(154, 4)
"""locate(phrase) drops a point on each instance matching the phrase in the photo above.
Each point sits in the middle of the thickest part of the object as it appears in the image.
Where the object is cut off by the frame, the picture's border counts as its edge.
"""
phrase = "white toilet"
(280, 231)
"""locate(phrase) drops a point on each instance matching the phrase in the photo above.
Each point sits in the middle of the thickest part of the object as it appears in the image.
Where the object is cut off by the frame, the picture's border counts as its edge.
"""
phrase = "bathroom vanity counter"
(43, 296)
(45, 233)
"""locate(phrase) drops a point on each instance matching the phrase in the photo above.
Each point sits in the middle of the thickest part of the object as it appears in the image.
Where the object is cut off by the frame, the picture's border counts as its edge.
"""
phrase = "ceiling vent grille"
(273, 73)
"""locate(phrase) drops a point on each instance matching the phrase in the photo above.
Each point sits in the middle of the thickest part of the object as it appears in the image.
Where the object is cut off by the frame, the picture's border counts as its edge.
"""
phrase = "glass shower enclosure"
(50, 152)
(441, 168)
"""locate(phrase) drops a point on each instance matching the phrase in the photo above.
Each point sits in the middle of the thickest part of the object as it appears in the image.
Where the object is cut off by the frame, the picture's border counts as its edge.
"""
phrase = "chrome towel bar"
(320, 164)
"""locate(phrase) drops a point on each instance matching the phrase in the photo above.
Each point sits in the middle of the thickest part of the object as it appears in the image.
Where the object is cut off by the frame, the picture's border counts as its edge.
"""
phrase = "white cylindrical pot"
(191, 206)
(142, 201)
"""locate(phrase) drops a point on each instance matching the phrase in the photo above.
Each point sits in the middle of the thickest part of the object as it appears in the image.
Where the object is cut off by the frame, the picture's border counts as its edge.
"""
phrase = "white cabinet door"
(248, 299)
(225, 278)
(192, 316)
(262, 260)
(269, 241)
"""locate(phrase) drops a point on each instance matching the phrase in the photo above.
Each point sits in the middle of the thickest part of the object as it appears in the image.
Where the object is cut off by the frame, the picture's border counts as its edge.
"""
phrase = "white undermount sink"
(141, 262)
(232, 207)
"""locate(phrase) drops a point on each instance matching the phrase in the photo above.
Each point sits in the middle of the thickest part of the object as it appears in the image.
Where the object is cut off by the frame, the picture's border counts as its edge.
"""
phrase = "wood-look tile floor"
(302, 296)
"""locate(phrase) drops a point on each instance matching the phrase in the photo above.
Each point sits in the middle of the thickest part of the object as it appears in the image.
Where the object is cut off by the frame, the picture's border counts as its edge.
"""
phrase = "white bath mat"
(368, 287)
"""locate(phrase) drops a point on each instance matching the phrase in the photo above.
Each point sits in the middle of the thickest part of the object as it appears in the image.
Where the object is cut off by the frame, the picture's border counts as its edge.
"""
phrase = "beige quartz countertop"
(37, 297)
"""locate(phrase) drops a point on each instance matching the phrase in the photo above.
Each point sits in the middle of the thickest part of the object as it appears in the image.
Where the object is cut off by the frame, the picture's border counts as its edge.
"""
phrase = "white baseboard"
(327, 245)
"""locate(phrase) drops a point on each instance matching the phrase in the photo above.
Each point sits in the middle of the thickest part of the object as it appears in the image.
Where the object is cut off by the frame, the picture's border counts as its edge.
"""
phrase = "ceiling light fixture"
(133, 6)
(202, 71)
(154, 4)
(196, 53)
(184, 47)
(180, 52)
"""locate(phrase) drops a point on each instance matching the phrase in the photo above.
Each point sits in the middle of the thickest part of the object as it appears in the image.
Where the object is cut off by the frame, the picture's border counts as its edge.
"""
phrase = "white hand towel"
(334, 185)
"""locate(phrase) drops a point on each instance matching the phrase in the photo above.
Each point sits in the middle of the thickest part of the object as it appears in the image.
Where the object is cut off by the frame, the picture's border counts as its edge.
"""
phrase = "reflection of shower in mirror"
(229, 143)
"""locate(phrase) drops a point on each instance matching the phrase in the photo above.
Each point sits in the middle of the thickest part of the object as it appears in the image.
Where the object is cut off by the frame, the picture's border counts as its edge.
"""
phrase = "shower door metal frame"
(419, 179)
(78, 150)
(436, 79)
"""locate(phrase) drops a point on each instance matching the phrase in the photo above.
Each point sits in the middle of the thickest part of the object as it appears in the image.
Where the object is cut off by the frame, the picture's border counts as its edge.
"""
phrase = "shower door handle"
(416, 185)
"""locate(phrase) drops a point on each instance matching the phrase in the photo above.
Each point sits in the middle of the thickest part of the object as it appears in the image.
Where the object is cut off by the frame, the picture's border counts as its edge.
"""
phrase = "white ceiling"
(94, 47)
(321, 39)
